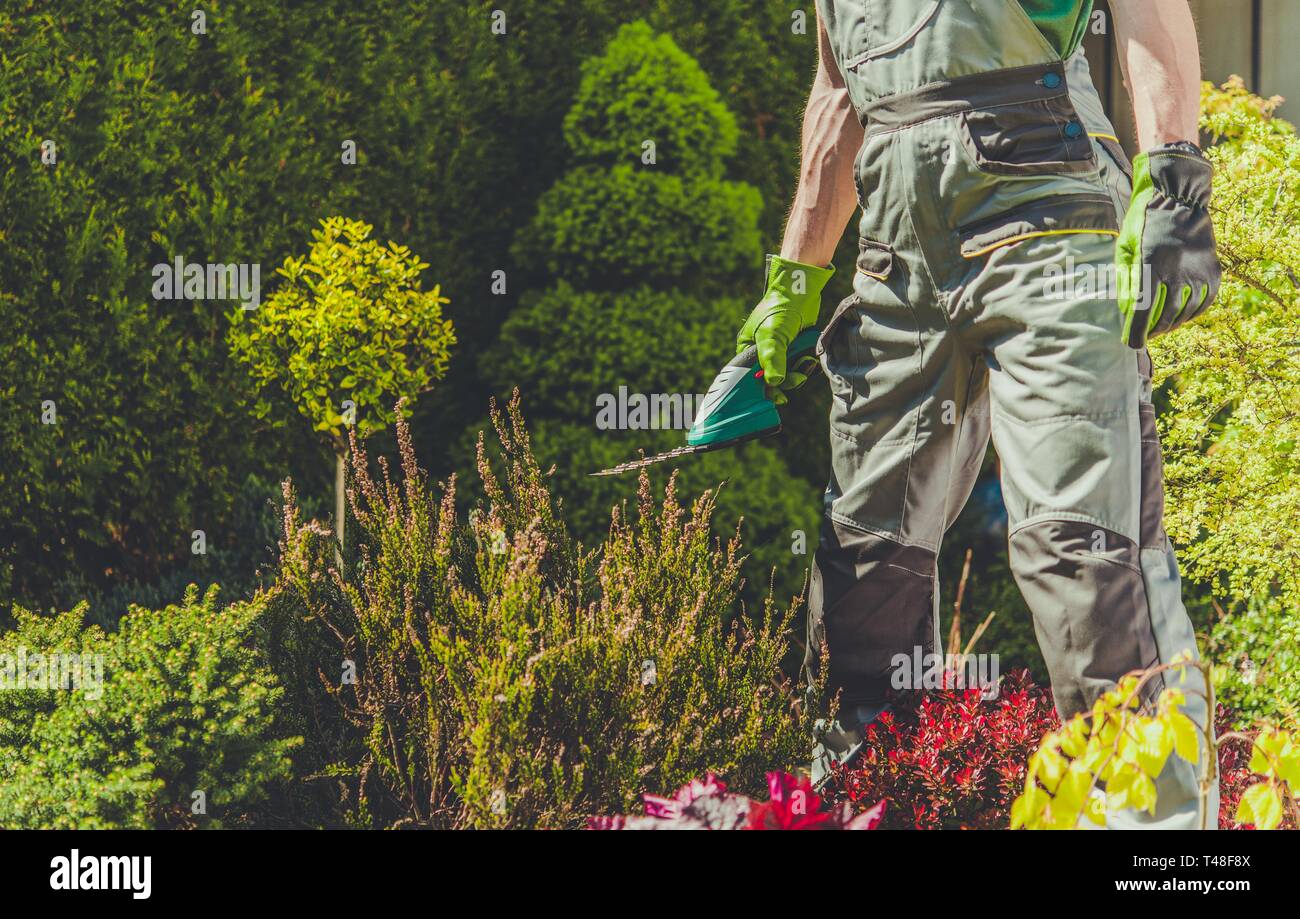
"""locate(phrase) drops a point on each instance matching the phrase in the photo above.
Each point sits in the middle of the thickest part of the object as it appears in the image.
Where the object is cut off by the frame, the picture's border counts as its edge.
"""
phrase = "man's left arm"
(1168, 271)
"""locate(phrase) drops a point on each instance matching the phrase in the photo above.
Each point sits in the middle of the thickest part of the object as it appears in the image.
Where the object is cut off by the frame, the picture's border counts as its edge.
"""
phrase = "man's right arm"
(823, 204)
(826, 197)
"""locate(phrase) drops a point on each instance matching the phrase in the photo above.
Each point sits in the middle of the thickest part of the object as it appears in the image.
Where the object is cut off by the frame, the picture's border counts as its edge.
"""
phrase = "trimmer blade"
(685, 451)
(651, 460)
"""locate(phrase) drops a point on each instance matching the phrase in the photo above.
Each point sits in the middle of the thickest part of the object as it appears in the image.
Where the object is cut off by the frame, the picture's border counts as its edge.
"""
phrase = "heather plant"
(494, 673)
(167, 722)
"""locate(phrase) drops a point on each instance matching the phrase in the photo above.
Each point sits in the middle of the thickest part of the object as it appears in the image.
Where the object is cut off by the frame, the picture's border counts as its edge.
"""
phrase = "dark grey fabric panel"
(871, 598)
(1091, 613)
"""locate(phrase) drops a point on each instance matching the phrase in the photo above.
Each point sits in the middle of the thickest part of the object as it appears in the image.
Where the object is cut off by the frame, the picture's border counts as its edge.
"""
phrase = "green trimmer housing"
(736, 408)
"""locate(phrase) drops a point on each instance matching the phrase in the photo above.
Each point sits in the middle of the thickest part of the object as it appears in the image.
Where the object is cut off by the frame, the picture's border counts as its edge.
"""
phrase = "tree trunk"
(340, 503)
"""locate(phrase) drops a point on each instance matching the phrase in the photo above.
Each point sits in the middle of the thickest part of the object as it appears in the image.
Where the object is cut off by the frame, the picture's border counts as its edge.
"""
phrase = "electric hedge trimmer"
(736, 408)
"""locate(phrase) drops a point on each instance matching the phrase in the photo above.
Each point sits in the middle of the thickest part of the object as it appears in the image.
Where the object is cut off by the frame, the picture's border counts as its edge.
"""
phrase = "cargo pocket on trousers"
(1151, 520)
(876, 261)
(1037, 137)
(1056, 216)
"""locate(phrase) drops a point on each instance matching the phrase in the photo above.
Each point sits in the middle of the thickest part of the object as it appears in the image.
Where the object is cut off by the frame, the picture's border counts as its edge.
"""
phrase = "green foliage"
(648, 261)
(185, 704)
(349, 323)
(153, 144)
(568, 346)
(236, 558)
(645, 88)
(1109, 758)
(609, 228)
(1233, 423)
(1275, 757)
(505, 678)
(226, 147)
(1256, 650)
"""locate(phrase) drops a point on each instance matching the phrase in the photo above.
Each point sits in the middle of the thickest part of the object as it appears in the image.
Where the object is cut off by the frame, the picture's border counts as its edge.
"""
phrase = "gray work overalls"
(987, 170)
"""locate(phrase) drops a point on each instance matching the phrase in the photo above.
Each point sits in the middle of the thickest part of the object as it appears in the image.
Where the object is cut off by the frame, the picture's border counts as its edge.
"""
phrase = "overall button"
(1051, 80)
(1073, 130)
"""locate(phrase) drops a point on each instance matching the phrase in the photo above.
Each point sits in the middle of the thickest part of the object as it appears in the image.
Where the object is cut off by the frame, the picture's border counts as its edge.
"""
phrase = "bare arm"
(826, 197)
(1161, 62)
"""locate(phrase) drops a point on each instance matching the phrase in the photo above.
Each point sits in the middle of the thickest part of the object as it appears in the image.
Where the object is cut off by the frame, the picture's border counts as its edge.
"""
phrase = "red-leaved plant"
(949, 759)
(1235, 776)
(707, 805)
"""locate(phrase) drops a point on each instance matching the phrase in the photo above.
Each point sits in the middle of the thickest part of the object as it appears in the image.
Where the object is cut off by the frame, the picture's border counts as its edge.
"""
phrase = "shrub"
(185, 705)
(645, 87)
(625, 225)
(1236, 777)
(707, 805)
(349, 333)
(1256, 654)
(164, 146)
(1233, 422)
(948, 759)
(646, 263)
(350, 322)
(505, 678)
(1108, 759)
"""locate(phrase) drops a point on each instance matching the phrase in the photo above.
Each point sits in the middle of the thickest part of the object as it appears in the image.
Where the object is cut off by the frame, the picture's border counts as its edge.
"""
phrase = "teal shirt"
(1063, 22)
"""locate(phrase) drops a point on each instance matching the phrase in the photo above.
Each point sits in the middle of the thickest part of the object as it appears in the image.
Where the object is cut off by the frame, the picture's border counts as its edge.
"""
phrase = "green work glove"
(790, 304)
(1167, 269)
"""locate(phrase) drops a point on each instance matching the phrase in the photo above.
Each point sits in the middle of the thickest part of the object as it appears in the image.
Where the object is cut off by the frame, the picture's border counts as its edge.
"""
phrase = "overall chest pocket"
(1036, 137)
(862, 30)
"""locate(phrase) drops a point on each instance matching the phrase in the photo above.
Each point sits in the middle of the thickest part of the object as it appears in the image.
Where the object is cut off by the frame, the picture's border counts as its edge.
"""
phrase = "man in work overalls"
(985, 168)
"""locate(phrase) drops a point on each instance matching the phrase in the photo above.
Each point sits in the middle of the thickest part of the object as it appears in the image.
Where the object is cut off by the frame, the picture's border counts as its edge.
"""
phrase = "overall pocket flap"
(875, 260)
(1116, 153)
(1048, 217)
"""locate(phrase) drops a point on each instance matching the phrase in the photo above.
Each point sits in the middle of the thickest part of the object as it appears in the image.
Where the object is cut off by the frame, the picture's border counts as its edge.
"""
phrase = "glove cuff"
(1181, 172)
(795, 279)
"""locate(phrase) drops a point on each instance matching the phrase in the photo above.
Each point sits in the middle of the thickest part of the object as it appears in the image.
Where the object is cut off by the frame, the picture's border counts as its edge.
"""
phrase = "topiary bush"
(179, 728)
(348, 333)
(491, 673)
(348, 322)
(652, 263)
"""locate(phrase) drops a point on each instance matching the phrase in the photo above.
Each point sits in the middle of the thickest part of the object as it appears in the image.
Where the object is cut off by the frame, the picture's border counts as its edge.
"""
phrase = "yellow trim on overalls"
(1015, 239)
(1103, 136)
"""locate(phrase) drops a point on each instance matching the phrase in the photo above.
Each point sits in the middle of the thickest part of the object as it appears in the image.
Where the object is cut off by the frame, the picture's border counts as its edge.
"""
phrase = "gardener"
(984, 166)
